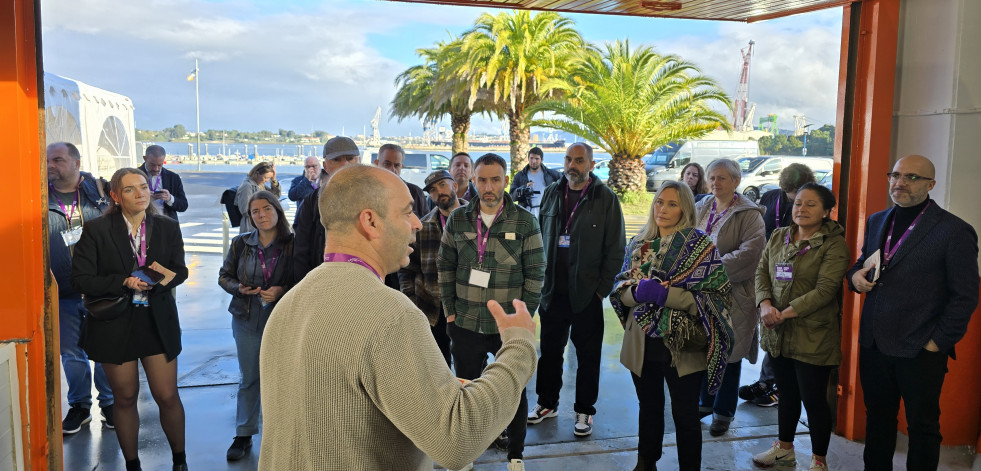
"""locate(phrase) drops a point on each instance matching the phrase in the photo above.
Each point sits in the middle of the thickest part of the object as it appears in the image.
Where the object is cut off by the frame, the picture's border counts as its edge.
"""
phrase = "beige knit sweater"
(352, 379)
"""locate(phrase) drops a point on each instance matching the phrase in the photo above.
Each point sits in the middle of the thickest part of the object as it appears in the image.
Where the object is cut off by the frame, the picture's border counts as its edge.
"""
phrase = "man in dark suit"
(913, 314)
(166, 187)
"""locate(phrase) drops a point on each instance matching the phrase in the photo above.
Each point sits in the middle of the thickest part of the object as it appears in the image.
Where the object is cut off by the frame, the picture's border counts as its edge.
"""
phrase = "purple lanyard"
(712, 219)
(582, 196)
(267, 271)
(799, 252)
(778, 211)
(141, 253)
(314, 184)
(154, 188)
(342, 257)
(442, 221)
(890, 250)
(481, 240)
(68, 214)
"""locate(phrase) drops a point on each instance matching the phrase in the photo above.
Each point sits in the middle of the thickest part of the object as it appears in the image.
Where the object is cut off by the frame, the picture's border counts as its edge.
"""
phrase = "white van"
(761, 170)
(664, 165)
(417, 164)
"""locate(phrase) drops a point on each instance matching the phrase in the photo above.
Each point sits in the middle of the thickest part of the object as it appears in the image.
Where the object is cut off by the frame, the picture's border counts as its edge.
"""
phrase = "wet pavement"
(208, 375)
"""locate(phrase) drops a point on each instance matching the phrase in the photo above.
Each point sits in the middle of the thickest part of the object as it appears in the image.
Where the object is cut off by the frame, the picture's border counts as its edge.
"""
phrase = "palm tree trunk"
(520, 134)
(627, 174)
(460, 123)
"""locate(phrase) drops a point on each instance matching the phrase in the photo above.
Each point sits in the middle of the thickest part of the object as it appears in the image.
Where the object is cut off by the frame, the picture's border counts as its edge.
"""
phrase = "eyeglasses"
(906, 177)
(311, 166)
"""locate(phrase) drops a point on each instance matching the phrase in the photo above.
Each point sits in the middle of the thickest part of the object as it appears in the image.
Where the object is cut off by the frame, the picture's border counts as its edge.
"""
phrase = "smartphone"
(870, 275)
(148, 275)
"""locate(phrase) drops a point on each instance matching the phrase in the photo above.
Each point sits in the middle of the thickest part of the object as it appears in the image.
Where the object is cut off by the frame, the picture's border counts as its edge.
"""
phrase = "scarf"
(690, 262)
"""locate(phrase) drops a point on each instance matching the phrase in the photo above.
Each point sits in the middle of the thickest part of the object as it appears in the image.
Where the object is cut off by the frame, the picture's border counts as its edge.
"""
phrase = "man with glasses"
(305, 184)
(919, 301)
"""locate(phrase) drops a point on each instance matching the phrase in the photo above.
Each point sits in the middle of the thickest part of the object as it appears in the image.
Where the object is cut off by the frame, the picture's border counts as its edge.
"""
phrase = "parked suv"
(417, 165)
(761, 170)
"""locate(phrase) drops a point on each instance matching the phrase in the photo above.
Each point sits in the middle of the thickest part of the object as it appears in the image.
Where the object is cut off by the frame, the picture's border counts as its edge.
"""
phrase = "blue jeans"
(247, 342)
(724, 402)
(75, 362)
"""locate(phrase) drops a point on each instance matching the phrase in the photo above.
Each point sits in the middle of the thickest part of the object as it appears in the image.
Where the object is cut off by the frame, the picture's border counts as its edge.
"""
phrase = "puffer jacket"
(814, 336)
(740, 241)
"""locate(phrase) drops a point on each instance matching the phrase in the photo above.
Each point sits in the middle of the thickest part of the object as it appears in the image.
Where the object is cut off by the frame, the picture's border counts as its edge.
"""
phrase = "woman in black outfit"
(129, 236)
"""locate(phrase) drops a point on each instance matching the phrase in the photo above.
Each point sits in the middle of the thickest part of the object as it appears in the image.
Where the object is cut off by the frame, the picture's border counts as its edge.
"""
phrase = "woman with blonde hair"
(672, 297)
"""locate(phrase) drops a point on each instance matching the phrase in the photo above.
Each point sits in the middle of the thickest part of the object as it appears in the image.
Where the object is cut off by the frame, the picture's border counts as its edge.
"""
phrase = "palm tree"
(434, 89)
(512, 55)
(630, 102)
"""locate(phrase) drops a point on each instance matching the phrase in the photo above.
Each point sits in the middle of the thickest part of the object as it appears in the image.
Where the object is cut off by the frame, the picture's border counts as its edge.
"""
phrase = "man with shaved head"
(920, 296)
(351, 376)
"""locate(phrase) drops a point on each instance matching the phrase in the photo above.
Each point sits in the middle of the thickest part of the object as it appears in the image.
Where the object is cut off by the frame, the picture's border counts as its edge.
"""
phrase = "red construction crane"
(741, 108)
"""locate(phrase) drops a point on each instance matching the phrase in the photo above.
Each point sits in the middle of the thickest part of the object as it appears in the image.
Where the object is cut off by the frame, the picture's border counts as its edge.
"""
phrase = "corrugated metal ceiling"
(727, 10)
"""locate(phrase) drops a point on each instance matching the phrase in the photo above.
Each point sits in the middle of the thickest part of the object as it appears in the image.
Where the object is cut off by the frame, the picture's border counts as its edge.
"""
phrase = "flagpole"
(197, 109)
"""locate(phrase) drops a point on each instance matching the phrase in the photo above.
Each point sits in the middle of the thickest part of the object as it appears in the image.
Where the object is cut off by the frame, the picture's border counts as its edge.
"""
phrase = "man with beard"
(419, 279)
(582, 228)
(531, 181)
(491, 250)
(914, 312)
(308, 245)
(461, 166)
(166, 186)
(364, 409)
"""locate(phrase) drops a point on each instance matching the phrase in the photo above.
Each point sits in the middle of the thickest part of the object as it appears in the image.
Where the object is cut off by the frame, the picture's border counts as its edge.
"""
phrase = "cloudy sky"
(328, 64)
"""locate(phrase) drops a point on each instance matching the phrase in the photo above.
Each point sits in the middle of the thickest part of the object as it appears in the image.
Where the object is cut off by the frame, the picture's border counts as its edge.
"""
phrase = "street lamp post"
(806, 132)
(197, 109)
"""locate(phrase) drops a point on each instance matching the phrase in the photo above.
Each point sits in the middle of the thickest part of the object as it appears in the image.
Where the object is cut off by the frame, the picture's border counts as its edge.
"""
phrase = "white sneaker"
(516, 465)
(817, 465)
(776, 456)
(468, 467)
(584, 425)
(541, 413)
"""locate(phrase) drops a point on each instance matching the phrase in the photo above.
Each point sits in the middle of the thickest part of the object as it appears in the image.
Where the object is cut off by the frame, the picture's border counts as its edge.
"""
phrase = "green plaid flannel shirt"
(514, 258)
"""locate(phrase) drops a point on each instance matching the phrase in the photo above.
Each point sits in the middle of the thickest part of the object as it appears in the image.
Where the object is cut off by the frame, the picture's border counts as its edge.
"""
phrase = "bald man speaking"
(351, 377)
(919, 269)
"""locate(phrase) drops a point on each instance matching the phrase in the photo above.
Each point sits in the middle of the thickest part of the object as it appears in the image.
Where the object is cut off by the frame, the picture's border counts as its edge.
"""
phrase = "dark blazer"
(310, 237)
(172, 183)
(300, 187)
(929, 289)
(104, 259)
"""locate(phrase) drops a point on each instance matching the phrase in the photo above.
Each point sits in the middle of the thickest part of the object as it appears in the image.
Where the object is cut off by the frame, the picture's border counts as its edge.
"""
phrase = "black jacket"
(521, 179)
(597, 242)
(59, 256)
(927, 292)
(769, 202)
(172, 183)
(243, 266)
(104, 259)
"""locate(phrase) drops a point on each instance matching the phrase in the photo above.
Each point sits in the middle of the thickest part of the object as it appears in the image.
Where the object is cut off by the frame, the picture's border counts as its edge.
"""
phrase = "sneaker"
(720, 425)
(818, 465)
(107, 417)
(584, 425)
(516, 465)
(501, 442)
(770, 399)
(776, 456)
(77, 417)
(240, 447)
(541, 413)
(753, 391)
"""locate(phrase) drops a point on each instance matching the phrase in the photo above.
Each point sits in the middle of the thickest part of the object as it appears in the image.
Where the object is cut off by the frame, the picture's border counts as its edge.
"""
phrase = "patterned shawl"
(692, 263)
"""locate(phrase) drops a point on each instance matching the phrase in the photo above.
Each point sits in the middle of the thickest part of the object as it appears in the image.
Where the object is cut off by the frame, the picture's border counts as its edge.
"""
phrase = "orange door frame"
(28, 317)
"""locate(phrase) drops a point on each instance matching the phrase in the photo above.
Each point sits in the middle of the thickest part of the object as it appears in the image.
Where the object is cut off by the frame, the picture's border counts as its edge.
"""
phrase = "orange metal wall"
(23, 319)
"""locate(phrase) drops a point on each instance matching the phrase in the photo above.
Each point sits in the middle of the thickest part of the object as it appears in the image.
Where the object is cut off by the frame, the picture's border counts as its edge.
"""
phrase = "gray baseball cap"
(339, 146)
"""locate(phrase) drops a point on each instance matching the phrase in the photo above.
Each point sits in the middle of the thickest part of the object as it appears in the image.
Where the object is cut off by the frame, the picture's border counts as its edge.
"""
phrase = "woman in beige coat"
(798, 288)
(736, 226)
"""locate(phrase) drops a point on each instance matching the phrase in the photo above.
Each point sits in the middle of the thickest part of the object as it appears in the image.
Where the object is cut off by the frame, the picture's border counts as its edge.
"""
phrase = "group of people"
(337, 311)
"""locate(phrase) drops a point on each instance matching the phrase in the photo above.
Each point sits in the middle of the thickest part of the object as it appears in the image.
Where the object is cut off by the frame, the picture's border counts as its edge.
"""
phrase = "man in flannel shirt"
(491, 249)
(418, 280)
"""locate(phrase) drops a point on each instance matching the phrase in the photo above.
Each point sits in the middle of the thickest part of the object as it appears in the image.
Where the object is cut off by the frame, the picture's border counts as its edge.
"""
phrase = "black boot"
(644, 464)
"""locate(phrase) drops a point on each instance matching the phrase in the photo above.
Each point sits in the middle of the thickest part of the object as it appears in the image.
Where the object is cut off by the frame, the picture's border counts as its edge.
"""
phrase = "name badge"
(785, 272)
(510, 236)
(479, 278)
(71, 236)
(140, 298)
(564, 240)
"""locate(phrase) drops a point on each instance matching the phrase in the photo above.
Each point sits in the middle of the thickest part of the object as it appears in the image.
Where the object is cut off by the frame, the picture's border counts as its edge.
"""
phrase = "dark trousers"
(442, 337)
(798, 381)
(918, 381)
(684, 407)
(767, 375)
(723, 402)
(470, 351)
(587, 336)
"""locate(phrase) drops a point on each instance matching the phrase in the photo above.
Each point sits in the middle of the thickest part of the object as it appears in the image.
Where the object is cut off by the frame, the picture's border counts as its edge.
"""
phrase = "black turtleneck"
(903, 218)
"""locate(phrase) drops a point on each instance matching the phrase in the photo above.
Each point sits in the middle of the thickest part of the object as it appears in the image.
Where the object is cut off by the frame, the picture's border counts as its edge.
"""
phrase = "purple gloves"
(650, 291)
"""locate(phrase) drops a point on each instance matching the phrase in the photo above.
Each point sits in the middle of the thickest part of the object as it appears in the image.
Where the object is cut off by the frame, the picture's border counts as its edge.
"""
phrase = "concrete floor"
(208, 373)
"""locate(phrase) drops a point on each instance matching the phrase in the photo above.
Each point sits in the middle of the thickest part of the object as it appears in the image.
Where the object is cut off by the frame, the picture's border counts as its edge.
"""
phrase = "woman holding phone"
(257, 272)
(127, 241)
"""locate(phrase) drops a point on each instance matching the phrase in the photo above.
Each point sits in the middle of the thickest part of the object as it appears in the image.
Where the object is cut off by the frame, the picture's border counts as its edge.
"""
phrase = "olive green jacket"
(815, 292)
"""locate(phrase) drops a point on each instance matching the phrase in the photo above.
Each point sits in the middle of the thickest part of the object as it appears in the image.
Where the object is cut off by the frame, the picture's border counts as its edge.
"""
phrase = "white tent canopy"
(99, 122)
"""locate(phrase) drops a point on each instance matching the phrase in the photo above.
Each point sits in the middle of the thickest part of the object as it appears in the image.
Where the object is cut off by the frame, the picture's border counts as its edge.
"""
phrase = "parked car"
(699, 151)
(417, 165)
(761, 170)
(823, 178)
(602, 169)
